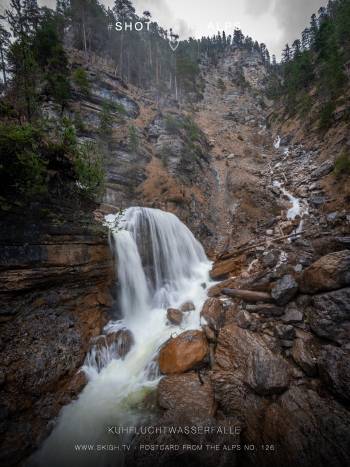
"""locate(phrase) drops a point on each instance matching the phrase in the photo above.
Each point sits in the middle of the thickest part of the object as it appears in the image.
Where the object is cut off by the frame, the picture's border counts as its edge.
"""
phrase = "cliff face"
(55, 294)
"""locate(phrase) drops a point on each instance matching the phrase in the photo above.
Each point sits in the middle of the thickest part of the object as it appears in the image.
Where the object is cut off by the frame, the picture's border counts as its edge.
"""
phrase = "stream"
(160, 265)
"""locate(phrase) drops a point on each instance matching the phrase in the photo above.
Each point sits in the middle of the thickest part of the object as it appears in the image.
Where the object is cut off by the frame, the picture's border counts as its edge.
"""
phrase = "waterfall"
(156, 254)
(159, 264)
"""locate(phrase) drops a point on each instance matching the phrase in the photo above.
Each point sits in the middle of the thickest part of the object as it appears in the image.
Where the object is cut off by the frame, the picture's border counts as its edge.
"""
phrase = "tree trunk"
(3, 67)
(248, 295)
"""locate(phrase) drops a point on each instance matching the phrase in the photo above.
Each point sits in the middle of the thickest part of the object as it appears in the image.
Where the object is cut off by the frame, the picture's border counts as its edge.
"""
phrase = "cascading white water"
(160, 264)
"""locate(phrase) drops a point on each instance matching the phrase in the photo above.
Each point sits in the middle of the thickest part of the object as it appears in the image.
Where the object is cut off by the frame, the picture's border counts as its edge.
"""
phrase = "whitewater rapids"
(160, 265)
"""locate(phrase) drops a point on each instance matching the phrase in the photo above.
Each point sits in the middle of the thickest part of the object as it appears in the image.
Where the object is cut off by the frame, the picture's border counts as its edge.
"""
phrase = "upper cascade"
(156, 253)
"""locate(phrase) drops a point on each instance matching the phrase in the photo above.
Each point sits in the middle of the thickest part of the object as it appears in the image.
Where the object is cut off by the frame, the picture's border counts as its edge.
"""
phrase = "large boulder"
(284, 289)
(213, 313)
(330, 272)
(329, 315)
(183, 352)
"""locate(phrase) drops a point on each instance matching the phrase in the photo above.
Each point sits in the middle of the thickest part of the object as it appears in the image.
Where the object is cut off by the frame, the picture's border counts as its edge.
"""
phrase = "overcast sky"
(274, 22)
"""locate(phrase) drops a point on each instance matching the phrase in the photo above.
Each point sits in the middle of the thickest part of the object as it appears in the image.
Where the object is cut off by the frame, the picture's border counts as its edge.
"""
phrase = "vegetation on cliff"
(40, 157)
(315, 69)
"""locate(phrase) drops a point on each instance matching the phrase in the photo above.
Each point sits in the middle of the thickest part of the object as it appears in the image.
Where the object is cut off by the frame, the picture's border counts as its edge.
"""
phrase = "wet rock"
(183, 352)
(186, 307)
(329, 315)
(189, 392)
(330, 272)
(284, 289)
(117, 344)
(334, 368)
(213, 313)
(174, 316)
(304, 354)
(292, 314)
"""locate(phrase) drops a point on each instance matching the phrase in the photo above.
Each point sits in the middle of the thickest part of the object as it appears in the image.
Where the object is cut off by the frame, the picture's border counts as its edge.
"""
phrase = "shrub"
(172, 124)
(221, 85)
(89, 169)
(342, 164)
(80, 79)
(22, 167)
(133, 139)
(326, 115)
(192, 130)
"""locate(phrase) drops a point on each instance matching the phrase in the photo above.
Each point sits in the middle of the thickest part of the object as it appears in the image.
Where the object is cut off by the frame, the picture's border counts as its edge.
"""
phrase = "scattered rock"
(174, 316)
(330, 272)
(270, 259)
(183, 352)
(284, 289)
(244, 319)
(213, 313)
(292, 314)
(266, 309)
(324, 169)
(285, 332)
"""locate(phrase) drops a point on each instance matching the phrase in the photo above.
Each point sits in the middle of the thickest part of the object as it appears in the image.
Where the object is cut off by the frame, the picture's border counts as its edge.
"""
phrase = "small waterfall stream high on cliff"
(160, 265)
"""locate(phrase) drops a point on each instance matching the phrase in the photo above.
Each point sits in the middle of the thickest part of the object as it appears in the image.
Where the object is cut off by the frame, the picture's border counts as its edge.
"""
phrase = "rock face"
(331, 272)
(183, 352)
(252, 381)
(54, 298)
(246, 358)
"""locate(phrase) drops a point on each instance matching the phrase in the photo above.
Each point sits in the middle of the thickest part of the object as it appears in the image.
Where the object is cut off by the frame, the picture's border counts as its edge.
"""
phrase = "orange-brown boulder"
(183, 353)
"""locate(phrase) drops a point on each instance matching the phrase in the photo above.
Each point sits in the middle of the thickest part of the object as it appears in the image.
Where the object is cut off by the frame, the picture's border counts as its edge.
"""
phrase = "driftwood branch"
(248, 295)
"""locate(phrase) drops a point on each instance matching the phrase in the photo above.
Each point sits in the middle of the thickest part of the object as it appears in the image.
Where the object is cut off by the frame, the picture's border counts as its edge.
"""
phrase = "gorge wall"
(275, 343)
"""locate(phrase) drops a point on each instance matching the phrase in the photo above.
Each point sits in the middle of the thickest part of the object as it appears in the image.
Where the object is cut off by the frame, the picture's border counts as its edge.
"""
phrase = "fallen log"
(249, 296)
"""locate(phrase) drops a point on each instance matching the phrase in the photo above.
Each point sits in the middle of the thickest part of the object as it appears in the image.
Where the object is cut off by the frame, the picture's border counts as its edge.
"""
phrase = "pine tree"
(286, 54)
(4, 45)
(296, 48)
